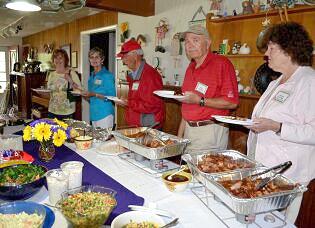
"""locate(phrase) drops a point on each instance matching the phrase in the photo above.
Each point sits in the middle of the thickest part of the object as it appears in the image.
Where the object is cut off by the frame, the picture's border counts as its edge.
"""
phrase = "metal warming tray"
(135, 145)
(255, 205)
(193, 160)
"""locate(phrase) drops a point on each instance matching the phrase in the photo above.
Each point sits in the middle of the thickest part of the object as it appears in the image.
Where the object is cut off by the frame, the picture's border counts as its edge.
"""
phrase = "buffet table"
(190, 210)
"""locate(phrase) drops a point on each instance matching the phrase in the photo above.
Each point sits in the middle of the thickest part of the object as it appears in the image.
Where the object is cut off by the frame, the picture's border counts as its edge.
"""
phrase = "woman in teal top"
(101, 84)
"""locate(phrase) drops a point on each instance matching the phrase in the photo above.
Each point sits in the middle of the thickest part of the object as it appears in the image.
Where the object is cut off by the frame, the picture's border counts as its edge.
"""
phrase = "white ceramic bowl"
(136, 216)
(83, 142)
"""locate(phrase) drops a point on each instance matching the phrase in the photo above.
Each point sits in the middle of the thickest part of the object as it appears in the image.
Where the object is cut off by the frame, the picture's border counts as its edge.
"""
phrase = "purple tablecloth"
(91, 176)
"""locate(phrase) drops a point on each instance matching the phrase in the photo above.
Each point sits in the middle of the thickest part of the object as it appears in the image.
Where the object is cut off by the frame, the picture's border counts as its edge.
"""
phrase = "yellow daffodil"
(61, 123)
(42, 132)
(59, 137)
(27, 133)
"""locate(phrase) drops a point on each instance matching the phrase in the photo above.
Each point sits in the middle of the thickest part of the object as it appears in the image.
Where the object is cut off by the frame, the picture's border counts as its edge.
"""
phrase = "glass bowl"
(87, 206)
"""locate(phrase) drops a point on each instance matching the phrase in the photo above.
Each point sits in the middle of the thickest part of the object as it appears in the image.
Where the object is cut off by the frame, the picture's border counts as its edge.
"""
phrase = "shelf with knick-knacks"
(245, 29)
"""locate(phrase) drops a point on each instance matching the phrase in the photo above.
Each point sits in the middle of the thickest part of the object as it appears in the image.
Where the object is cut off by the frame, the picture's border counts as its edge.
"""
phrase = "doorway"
(104, 38)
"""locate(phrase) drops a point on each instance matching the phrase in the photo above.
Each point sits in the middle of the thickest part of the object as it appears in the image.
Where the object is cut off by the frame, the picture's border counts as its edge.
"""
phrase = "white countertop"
(184, 205)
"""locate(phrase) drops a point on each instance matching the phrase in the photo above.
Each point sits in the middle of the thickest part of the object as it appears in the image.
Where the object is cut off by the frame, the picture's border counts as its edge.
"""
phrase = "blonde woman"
(59, 82)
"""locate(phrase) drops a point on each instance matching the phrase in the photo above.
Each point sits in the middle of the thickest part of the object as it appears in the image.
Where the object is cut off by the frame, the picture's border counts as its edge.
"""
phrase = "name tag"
(135, 86)
(98, 82)
(201, 88)
(282, 96)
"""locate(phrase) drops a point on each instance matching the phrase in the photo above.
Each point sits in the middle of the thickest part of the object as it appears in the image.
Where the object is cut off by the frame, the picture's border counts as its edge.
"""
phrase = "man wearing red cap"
(143, 108)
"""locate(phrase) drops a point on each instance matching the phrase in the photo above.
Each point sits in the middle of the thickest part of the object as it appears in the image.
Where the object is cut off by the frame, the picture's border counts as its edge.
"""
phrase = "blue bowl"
(22, 191)
(27, 207)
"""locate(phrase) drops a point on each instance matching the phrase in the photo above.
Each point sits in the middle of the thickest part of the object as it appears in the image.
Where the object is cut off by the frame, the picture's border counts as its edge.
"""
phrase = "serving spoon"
(171, 223)
(178, 171)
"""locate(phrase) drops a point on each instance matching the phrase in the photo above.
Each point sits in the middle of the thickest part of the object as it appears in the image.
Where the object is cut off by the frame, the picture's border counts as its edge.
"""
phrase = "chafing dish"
(81, 127)
(136, 144)
(100, 134)
(255, 205)
(193, 160)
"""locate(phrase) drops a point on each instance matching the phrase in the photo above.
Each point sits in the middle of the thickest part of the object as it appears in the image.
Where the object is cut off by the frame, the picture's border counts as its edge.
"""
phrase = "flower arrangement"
(48, 131)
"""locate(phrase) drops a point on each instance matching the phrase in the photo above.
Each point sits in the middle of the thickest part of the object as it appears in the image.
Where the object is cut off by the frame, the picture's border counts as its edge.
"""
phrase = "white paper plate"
(76, 92)
(168, 94)
(113, 98)
(228, 119)
(40, 90)
(110, 148)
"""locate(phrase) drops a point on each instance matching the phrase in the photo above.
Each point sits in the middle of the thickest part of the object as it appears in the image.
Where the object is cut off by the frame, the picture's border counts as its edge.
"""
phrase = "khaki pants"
(212, 136)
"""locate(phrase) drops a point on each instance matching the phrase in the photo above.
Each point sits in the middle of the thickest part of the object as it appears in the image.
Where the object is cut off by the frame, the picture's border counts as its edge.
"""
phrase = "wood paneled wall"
(69, 33)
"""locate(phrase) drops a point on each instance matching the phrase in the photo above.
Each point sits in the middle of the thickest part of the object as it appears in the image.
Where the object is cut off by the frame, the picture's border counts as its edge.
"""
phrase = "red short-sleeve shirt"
(215, 78)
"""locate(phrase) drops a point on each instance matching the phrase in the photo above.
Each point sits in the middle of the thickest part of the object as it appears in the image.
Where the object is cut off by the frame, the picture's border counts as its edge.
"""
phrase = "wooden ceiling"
(136, 7)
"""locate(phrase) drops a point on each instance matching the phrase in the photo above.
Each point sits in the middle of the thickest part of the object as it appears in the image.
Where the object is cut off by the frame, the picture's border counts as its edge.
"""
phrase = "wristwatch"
(279, 131)
(202, 102)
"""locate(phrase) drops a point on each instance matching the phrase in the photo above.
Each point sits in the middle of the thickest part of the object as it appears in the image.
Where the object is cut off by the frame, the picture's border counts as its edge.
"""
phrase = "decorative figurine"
(247, 7)
(244, 50)
(216, 7)
(161, 30)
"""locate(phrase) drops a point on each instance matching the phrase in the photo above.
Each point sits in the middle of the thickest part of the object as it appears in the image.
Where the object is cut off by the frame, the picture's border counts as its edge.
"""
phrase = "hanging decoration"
(195, 21)
(141, 40)
(124, 31)
(161, 30)
(176, 48)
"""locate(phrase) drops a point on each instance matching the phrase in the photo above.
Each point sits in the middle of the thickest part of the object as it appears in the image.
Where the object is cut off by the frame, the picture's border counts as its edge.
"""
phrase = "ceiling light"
(23, 5)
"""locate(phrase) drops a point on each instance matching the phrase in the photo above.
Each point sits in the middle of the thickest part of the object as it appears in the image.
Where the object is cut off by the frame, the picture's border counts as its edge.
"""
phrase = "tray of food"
(208, 164)
(238, 190)
(150, 143)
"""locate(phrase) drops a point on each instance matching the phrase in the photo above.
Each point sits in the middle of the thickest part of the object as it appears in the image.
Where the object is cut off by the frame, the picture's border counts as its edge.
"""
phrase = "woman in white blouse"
(284, 116)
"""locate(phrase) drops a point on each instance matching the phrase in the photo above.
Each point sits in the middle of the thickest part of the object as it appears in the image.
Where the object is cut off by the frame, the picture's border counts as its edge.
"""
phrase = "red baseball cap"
(128, 46)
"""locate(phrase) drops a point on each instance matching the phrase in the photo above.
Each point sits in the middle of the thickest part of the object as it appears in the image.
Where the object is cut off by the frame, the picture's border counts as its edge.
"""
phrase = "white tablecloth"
(185, 205)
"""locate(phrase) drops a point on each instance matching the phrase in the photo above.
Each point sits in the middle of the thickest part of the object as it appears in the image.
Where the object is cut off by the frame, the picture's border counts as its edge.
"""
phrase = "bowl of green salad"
(87, 206)
(21, 181)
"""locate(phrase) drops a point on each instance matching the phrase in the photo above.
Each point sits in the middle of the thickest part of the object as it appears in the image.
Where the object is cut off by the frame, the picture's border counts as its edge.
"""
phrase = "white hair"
(138, 52)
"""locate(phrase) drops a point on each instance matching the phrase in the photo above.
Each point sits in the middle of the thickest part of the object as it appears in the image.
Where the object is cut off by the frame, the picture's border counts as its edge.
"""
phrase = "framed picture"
(74, 60)
(25, 51)
(67, 48)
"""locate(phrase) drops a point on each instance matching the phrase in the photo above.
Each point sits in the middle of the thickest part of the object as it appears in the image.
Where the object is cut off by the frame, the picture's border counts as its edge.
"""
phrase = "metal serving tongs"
(278, 169)
(154, 136)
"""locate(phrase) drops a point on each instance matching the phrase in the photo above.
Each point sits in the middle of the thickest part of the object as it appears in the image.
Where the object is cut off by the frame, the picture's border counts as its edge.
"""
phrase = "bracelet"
(202, 102)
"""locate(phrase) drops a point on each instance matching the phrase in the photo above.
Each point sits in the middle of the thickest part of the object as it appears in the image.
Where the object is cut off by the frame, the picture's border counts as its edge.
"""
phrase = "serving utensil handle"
(283, 167)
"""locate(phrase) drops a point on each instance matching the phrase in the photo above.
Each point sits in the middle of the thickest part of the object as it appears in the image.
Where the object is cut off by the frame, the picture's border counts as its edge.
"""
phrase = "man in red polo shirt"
(210, 87)
(143, 108)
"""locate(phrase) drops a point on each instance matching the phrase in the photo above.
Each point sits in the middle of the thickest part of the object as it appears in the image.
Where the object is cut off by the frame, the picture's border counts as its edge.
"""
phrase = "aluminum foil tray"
(256, 205)
(135, 145)
(193, 160)
(81, 127)
(100, 134)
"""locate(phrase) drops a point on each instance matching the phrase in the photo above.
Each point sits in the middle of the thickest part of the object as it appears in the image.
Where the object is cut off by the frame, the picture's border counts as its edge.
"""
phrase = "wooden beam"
(136, 7)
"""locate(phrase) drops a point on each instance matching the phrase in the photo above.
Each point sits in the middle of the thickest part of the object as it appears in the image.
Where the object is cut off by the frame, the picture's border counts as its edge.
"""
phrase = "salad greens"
(20, 174)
